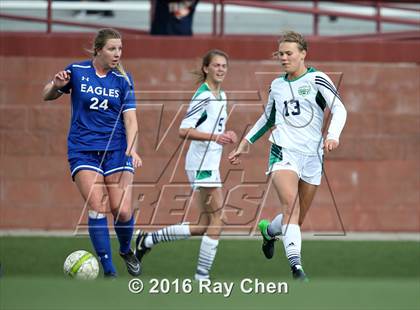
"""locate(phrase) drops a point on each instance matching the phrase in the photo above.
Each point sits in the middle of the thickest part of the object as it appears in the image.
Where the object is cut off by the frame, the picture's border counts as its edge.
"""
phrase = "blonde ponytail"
(121, 70)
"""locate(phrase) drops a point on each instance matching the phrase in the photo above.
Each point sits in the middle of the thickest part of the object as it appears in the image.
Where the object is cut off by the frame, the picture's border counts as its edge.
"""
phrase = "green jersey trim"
(203, 88)
(270, 123)
(310, 70)
(276, 155)
(203, 174)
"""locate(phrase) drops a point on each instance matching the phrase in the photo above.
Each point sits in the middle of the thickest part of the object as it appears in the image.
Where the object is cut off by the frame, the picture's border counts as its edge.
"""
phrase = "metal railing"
(218, 12)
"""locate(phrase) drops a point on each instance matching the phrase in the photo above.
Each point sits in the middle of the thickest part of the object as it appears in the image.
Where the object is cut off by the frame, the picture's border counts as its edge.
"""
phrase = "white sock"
(292, 241)
(208, 251)
(275, 227)
(166, 234)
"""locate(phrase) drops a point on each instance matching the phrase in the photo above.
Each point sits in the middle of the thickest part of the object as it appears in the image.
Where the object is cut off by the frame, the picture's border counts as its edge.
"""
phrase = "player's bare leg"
(91, 186)
(201, 226)
(212, 203)
(286, 183)
(306, 196)
(120, 194)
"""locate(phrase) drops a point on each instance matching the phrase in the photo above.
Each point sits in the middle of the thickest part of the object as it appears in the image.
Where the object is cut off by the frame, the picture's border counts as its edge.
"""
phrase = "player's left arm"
(338, 111)
(232, 134)
(131, 132)
(130, 123)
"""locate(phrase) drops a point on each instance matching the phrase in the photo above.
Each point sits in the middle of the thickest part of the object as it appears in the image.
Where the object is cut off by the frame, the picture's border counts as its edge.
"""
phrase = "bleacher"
(238, 19)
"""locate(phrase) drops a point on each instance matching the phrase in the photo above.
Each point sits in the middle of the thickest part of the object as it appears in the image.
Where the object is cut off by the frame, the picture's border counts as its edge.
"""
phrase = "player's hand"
(137, 162)
(232, 135)
(234, 155)
(330, 145)
(61, 79)
(223, 139)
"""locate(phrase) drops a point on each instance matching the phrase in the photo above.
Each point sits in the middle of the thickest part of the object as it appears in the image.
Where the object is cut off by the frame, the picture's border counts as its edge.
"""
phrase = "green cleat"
(268, 241)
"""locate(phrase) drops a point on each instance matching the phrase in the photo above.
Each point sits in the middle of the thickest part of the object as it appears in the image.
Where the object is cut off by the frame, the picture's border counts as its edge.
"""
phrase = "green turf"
(344, 275)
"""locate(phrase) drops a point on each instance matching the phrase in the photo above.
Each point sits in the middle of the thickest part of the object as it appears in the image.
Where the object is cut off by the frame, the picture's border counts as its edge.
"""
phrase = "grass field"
(344, 275)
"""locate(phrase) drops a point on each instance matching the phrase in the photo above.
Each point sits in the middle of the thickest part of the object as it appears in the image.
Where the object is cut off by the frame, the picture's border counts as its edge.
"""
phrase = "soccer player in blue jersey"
(102, 143)
(295, 110)
(204, 124)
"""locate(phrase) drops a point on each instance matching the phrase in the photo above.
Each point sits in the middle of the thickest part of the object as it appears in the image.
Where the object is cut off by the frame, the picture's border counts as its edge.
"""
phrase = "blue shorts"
(105, 163)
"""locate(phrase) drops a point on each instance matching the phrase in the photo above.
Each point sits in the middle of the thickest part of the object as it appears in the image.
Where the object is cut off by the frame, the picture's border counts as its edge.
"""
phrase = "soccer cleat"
(201, 275)
(132, 263)
(299, 274)
(268, 241)
(141, 248)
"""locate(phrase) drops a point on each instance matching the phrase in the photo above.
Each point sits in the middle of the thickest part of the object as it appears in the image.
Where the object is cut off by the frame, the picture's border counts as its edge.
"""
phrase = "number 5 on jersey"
(94, 106)
(220, 124)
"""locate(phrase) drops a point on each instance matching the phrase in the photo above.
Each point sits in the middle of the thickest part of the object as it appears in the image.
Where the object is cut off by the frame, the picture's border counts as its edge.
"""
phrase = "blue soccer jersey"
(98, 104)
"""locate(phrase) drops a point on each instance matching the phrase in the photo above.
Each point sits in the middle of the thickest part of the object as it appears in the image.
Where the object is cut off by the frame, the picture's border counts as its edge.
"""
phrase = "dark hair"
(207, 58)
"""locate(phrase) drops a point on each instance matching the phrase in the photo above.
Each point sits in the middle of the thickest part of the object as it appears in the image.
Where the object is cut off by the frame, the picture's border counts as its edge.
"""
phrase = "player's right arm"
(188, 126)
(264, 123)
(51, 90)
(194, 134)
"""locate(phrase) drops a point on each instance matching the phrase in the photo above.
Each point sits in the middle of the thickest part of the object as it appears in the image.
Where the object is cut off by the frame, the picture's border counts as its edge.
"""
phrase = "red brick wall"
(374, 176)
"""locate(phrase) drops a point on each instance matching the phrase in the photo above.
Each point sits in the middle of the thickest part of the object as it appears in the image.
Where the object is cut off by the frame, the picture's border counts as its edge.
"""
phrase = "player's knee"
(199, 231)
(217, 218)
(98, 206)
(223, 218)
(122, 215)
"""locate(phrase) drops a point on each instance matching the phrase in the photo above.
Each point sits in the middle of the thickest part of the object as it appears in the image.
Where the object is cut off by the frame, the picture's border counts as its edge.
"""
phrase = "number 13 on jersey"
(295, 107)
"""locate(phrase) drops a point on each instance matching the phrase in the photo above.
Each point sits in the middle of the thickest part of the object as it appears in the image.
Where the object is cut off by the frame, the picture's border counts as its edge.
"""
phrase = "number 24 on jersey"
(95, 105)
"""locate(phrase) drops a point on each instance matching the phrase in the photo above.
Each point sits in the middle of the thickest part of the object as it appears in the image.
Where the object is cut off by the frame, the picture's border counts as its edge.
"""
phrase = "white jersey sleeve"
(265, 122)
(195, 110)
(333, 100)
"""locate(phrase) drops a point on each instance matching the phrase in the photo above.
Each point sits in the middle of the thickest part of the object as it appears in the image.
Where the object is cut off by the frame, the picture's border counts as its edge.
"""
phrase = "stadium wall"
(371, 182)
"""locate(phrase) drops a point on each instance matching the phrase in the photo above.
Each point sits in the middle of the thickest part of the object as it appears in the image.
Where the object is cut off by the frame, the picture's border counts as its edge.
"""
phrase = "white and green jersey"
(206, 113)
(296, 109)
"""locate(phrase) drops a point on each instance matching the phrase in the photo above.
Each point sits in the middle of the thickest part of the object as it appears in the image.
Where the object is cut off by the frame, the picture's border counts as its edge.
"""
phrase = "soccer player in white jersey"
(295, 110)
(204, 125)
(102, 147)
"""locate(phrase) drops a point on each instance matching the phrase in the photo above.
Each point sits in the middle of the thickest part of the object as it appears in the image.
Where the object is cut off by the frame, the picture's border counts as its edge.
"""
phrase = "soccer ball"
(81, 265)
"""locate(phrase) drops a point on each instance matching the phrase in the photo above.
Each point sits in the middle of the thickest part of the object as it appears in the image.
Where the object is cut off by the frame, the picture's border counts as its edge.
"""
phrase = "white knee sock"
(275, 227)
(292, 241)
(166, 234)
(208, 251)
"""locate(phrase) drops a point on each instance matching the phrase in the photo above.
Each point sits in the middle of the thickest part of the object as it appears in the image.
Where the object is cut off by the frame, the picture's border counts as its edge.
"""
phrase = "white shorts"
(204, 178)
(307, 167)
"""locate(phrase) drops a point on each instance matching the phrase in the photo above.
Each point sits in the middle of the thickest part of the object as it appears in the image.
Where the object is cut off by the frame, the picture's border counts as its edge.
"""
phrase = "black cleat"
(141, 248)
(299, 274)
(268, 248)
(268, 242)
(132, 263)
